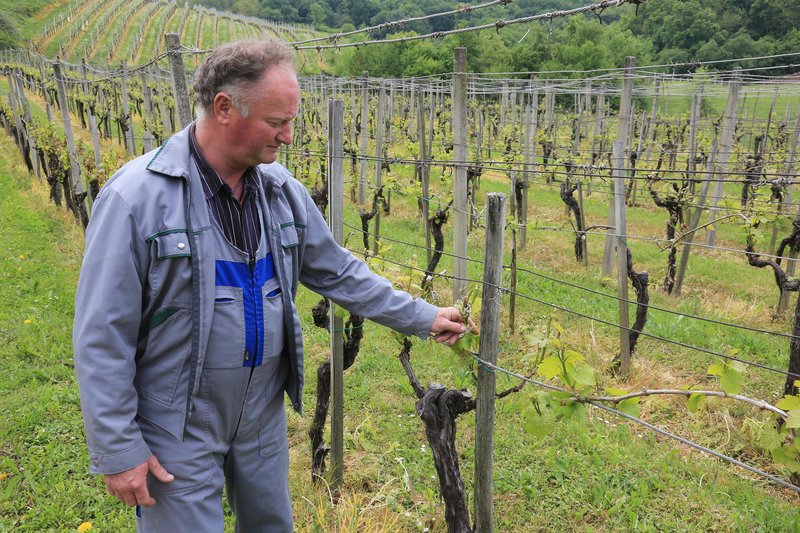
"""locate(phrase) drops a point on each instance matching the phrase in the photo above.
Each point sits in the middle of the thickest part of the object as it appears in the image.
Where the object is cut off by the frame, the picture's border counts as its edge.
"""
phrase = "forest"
(663, 32)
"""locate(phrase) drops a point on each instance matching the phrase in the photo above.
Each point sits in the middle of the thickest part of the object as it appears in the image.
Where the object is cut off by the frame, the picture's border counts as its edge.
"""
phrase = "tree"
(677, 24)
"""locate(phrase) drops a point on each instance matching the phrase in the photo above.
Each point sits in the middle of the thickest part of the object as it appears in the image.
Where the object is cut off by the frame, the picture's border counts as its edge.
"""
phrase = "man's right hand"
(130, 486)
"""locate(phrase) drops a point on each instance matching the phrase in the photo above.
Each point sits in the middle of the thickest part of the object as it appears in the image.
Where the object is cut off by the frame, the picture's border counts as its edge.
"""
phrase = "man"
(186, 332)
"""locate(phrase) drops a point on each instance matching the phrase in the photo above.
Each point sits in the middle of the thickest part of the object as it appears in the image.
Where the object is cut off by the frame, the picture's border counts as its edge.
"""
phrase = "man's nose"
(285, 134)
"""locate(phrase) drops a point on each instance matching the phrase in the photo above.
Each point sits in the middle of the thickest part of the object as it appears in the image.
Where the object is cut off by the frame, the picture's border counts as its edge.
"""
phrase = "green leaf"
(715, 369)
(694, 402)
(573, 356)
(585, 375)
(560, 396)
(768, 439)
(630, 407)
(783, 454)
(793, 421)
(475, 341)
(615, 392)
(461, 347)
(558, 327)
(550, 367)
(536, 339)
(737, 366)
(731, 382)
(539, 425)
(788, 403)
(793, 466)
(575, 410)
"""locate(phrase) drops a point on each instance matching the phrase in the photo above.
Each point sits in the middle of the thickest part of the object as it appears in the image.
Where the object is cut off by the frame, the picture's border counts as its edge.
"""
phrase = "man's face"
(274, 102)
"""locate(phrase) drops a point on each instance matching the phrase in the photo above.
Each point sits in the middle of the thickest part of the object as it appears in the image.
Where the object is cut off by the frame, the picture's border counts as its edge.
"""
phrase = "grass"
(599, 475)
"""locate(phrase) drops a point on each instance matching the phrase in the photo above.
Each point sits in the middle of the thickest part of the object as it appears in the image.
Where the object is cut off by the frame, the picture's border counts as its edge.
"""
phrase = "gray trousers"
(236, 436)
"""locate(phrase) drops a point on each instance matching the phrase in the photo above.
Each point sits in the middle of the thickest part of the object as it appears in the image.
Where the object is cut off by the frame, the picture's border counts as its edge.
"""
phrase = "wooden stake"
(490, 335)
(459, 173)
(180, 91)
(362, 182)
(335, 221)
(622, 258)
(622, 136)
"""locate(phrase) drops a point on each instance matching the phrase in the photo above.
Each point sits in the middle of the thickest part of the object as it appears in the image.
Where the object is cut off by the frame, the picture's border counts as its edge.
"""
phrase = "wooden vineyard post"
(584, 244)
(791, 265)
(652, 122)
(180, 91)
(531, 121)
(512, 297)
(47, 104)
(424, 172)
(490, 334)
(130, 143)
(695, 220)
(622, 257)
(12, 88)
(380, 127)
(697, 105)
(166, 121)
(26, 113)
(75, 181)
(622, 136)
(725, 149)
(597, 132)
(335, 221)
(148, 107)
(459, 173)
(362, 180)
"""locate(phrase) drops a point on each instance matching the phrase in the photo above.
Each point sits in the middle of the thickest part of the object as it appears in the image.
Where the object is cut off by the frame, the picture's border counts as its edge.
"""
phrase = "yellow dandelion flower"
(3, 476)
(26, 321)
(86, 526)
(22, 256)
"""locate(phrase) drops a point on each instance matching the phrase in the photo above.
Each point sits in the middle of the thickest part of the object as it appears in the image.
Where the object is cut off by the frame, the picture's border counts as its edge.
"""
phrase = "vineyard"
(627, 239)
(117, 32)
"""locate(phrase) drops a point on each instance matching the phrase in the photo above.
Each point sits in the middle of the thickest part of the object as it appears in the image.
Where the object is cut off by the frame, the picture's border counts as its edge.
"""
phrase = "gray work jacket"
(145, 298)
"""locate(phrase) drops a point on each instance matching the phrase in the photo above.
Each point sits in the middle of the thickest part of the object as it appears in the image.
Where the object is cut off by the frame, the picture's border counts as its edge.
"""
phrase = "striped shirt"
(239, 221)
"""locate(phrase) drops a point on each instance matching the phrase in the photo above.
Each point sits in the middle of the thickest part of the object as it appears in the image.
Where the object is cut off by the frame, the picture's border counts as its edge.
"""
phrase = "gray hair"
(234, 67)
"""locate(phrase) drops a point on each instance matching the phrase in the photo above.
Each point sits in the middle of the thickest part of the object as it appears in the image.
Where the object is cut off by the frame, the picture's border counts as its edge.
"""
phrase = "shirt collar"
(212, 182)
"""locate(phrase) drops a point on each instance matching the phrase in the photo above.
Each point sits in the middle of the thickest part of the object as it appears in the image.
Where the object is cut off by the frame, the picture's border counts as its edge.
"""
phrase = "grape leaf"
(788, 403)
(550, 367)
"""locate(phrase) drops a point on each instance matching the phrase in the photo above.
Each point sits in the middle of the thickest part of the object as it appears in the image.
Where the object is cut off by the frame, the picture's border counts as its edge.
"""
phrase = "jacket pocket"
(274, 329)
(170, 271)
(171, 243)
(226, 343)
(165, 355)
(291, 240)
(272, 437)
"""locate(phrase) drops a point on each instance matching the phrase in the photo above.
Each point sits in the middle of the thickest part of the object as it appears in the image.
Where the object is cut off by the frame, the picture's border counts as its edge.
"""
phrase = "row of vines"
(710, 156)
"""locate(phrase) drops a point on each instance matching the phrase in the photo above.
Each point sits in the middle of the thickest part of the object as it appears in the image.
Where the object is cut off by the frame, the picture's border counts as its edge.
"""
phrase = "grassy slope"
(602, 475)
(599, 475)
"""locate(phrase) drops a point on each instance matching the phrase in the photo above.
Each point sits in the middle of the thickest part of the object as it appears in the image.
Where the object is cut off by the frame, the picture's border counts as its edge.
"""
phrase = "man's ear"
(223, 106)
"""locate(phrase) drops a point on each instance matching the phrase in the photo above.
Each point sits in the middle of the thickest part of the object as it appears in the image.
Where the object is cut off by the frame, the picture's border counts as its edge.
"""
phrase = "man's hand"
(448, 326)
(130, 486)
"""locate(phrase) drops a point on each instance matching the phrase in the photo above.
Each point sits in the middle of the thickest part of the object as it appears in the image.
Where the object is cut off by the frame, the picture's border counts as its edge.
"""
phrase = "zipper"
(252, 264)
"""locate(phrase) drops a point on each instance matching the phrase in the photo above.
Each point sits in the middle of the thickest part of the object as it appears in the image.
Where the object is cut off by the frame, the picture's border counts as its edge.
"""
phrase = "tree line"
(662, 31)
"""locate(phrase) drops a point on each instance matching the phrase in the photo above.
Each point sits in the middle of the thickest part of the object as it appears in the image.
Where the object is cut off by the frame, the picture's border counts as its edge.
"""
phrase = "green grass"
(600, 475)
